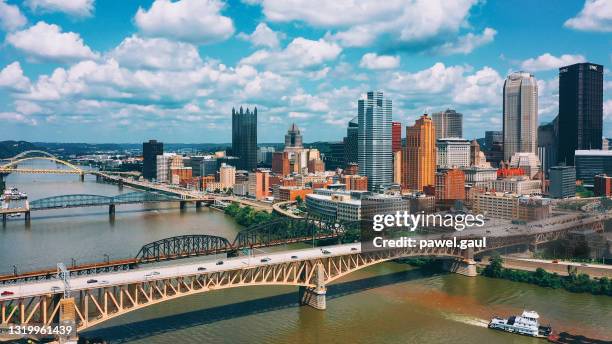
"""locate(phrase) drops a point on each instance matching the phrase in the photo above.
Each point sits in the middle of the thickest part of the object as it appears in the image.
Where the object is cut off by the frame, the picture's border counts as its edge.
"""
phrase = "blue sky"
(127, 71)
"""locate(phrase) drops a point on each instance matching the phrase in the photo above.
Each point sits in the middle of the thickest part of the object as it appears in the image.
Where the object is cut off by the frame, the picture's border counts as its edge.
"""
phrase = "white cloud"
(156, 53)
(596, 15)
(263, 36)
(17, 117)
(197, 21)
(11, 17)
(365, 22)
(78, 8)
(27, 107)
(548, 61)
(466, 44)
(47, 42)
(12, 77)
(299, 54)
(607, 109)
(374, 61)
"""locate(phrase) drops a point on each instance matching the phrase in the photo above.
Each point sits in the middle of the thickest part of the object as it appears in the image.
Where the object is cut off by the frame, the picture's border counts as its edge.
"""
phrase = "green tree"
(299, 200)
(495, 267)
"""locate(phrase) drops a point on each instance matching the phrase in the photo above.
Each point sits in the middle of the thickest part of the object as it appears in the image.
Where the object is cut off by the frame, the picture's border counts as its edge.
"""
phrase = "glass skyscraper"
(520, 111)
(448, 123)
(375, 157)
(351, 145)
(244, 138)
(150, 151)
(580, 109)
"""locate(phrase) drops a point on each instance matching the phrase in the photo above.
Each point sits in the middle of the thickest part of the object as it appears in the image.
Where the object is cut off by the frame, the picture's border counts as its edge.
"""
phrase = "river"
(385, 303)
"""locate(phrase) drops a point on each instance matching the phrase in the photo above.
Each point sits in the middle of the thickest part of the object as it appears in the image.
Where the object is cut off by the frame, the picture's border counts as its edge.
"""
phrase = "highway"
(151, 273)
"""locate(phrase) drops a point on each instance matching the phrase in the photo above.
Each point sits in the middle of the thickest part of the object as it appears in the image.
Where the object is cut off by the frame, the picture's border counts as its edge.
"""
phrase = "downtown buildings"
(150, 151)
(374, 140)
(580, 109)
(244, 138)
(419, 157)
(520, 112)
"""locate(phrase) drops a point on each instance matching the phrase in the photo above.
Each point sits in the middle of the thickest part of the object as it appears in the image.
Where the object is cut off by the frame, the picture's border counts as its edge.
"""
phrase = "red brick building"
(358, 183)
(280, 163)
(396, 136)
(602, 185)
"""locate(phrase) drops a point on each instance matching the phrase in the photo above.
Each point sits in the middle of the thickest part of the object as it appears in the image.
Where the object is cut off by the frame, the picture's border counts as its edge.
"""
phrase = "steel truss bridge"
(86, 303)
(274, 233)
(85, 200)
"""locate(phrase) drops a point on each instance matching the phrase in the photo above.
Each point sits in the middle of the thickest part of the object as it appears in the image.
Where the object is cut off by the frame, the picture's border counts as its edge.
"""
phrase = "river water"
(386, 303)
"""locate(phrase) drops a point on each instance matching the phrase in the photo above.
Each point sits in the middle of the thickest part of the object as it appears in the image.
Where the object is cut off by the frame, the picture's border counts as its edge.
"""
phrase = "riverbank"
(573, 282)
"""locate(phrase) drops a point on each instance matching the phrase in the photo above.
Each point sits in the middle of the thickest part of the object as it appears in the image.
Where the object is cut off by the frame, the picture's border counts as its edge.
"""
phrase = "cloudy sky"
(126, 71)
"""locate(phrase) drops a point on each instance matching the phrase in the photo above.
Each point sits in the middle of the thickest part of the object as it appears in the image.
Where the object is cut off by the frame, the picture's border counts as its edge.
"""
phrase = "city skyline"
(179, 85)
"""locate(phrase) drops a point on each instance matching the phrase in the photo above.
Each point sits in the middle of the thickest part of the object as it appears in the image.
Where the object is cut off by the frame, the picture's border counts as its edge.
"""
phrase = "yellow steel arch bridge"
(12, 166)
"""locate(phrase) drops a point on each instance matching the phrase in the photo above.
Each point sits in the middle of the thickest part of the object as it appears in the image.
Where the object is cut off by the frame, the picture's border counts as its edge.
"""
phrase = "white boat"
(14, 194)
(526, 324)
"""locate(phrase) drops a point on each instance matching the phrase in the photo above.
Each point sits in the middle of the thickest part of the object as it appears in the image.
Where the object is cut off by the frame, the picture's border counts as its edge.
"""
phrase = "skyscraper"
(419, 158)
(520, 111)
(396, 136)
(293, 138)
(150, 151)
(351, 146)
(448, 123)
(244, 138)
(374, 140)
(580, 109)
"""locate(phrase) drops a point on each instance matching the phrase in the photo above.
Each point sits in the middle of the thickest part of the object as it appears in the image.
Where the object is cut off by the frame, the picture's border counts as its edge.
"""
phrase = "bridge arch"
(29, 152)
(13, 163)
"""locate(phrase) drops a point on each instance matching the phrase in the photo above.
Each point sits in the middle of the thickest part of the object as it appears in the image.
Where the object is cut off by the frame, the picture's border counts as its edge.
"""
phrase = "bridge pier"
(198, 204)
(27, 217)
(183, 205)
(2, 183)
(68, 318)
(111, 210)
(82, 177)
(315, 297)
(4, 219)
(465, 266)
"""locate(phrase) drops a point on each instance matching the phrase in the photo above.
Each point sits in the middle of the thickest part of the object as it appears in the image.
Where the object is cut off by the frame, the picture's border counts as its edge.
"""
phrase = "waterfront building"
(520, 114)
(227, 176)
(448, 123)
(453, 152)
(150, 151)
(178, 174)
(527, 161)
(419, 156)
(374, 141)
(259, 184)
(602, 185)
(590, 163)
(562, 181)
(163, 166)
(338, 205)
(511, 206)
(521, 185)
(580, 109)
(244, 138)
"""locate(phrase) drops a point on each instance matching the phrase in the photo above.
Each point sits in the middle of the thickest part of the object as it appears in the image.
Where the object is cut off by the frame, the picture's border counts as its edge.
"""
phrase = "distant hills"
(11, 148)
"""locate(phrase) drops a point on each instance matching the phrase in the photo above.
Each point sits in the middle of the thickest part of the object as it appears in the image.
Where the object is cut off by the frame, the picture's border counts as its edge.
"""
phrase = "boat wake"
(468, 320)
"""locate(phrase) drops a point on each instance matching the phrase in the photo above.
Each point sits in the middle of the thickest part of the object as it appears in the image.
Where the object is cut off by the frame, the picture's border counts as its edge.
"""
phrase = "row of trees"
(577, 283)
(247, 216)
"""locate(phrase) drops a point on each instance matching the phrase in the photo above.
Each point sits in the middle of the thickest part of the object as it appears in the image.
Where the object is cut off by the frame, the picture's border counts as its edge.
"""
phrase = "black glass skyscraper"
(351, 142)
(580, 109)
(150, 151)
(244, 138)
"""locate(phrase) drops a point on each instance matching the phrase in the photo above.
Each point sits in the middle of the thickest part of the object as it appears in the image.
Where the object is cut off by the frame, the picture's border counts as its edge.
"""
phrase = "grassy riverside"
(247, 216)
(576, 283)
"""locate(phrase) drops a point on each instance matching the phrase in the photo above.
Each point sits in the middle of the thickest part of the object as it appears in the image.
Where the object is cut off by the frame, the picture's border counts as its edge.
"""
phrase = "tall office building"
(419, 158)
(374, 141)
(293, 139)
(448, 123)
(244, 138)
(547, 144)
(351, 146)
(520, 114)
(580, 109)
(150, 151)
(453, 152)
(396, 136)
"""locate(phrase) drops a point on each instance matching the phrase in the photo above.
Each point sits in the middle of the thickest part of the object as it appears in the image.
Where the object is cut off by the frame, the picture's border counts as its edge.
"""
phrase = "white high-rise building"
(164, 163)
(520, 109)
(375, 155)
(453, 153)
(227, 176)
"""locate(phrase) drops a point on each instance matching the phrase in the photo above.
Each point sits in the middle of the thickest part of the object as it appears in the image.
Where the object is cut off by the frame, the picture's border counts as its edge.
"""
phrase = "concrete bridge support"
(315, 297)
(27, 217)
(465, 266)
(111, 210)
(183, 205)
(68, 318)
(82, 177)
(4, 219)
(198, 204)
